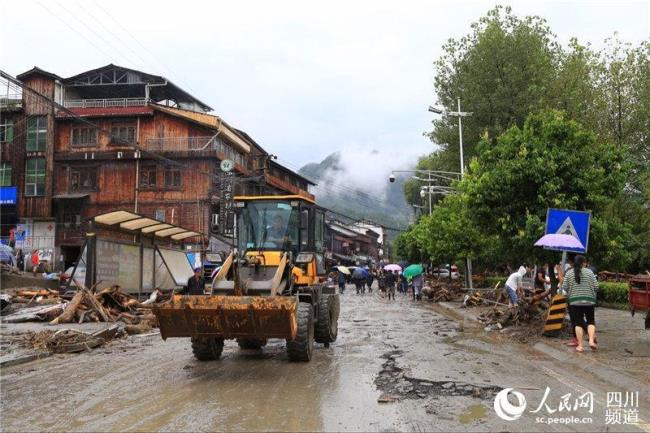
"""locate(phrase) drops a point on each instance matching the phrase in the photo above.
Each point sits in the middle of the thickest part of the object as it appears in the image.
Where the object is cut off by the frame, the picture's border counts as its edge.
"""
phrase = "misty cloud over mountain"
(355, 182)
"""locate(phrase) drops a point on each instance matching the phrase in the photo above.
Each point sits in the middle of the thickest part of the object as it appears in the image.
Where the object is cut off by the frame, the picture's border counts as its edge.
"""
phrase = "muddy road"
(396, 366)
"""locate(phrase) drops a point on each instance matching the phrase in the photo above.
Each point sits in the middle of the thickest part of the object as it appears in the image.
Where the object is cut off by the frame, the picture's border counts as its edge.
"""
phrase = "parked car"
(443, 272)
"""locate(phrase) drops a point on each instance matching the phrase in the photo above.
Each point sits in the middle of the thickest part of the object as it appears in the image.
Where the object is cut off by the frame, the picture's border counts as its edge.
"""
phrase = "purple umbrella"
(559, 241)
(393, 267)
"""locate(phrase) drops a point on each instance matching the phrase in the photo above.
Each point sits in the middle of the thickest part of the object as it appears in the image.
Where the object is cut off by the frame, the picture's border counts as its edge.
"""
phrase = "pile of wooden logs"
(107, 305)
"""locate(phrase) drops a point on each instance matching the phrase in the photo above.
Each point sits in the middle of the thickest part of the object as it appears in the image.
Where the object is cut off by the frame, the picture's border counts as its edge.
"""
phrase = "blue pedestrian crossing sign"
(569, 222)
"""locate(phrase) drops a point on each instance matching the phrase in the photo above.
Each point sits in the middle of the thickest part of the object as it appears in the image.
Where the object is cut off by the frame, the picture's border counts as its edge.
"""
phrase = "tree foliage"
(508, 68)
(500, 208)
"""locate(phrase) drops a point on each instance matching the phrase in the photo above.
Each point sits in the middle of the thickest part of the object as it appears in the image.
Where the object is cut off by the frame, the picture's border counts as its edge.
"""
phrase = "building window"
(172, 178)
(36, 133)
(148, 176)
(35, 177)
(123, 133)
(159, 214)
(5, 174)
(83, 137)
(83, 179)
(71, 220)
(7, 131)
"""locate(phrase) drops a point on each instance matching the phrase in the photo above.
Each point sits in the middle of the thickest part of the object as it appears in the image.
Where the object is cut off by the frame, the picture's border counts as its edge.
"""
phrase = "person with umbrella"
(414, 273)
(369, 280)
(391, 279)
(359, 278)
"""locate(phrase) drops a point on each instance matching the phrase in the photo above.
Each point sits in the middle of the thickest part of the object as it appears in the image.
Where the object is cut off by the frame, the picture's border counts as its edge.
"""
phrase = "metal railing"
(11, 101)
(30, 243)
(105, 103)
(178, 143)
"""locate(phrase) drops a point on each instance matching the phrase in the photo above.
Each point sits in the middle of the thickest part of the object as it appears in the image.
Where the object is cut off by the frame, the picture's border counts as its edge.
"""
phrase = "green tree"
(550, 162)
(502, 71)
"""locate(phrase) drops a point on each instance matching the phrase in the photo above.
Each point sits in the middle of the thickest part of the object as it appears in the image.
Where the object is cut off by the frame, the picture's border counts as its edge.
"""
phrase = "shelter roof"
(131, 222)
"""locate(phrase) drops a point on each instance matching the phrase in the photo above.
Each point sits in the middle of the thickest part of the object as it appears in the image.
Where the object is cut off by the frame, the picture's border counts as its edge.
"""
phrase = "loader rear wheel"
(301, 347)
(207, 348)
(251, 343)
(327, 327)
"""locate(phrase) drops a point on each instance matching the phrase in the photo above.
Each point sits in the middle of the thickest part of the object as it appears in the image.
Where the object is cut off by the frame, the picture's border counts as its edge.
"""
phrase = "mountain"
(358, 186)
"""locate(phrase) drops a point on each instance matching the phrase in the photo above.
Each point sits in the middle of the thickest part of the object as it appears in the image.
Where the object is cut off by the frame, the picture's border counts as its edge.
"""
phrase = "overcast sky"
(303, 80)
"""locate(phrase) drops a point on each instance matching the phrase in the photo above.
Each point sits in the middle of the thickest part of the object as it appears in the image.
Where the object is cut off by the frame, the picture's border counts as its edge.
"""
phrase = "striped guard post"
(555, 316)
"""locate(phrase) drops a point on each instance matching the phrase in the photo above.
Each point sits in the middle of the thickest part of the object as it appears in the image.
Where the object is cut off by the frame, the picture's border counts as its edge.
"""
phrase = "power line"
(73, 29)
(146, 50)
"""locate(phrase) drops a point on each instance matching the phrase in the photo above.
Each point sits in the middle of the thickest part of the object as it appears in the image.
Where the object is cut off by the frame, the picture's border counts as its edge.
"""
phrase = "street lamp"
(431, 175)
(460, 115)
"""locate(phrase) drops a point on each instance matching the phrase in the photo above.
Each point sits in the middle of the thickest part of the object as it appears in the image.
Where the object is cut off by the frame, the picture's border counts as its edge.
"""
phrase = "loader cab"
(277, 224)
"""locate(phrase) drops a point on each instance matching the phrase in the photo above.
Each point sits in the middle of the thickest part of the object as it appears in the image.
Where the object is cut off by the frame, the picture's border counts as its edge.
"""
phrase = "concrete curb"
(608, 374)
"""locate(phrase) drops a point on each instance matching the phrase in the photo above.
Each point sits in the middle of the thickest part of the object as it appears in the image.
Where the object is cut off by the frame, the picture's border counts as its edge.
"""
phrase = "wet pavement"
(396, 365)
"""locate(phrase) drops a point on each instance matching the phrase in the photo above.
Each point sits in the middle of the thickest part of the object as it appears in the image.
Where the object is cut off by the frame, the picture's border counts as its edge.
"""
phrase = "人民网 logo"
(506, 410)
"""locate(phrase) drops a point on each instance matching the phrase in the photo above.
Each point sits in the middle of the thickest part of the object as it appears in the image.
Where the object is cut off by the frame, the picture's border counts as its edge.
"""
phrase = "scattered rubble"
(72, 340)
(442, 291)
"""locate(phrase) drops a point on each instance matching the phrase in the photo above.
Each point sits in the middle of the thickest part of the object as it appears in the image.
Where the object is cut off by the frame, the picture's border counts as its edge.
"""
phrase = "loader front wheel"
(207, 348)
(300, 348)
(327, 327)
(251, 343)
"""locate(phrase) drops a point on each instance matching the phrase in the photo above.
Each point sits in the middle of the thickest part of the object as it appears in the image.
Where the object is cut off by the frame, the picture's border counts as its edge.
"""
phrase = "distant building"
(348, 244)
(71, 163)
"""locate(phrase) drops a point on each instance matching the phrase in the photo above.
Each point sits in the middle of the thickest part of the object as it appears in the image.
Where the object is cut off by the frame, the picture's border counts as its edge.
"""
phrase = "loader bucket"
(228, 317)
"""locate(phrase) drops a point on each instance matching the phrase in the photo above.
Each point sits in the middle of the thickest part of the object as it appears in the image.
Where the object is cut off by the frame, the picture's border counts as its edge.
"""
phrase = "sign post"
(569, 222)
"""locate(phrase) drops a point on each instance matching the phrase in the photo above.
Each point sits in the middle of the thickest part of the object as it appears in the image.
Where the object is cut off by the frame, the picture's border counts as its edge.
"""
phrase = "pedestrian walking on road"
(391, 279)
(341, 280)
(581, 286)
(381, 282)
(418, 282)
(369, 280)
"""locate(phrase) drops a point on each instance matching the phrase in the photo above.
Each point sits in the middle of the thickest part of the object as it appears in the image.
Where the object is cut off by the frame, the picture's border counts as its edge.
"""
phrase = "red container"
(639, 293)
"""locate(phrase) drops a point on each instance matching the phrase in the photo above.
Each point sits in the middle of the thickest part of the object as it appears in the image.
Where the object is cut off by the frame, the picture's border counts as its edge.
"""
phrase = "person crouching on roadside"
(581, 286)
(514, 285)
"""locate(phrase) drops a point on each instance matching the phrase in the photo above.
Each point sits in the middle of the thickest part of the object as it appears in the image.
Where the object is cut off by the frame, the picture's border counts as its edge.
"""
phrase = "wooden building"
(122, 139)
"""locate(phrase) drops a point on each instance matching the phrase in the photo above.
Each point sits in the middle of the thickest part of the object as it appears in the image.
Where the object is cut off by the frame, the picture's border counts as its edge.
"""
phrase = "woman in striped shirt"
(581, 286)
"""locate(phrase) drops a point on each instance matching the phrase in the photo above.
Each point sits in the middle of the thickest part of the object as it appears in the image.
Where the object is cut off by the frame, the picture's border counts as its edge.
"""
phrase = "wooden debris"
(110, 304)
(68, 314)
(38, 314)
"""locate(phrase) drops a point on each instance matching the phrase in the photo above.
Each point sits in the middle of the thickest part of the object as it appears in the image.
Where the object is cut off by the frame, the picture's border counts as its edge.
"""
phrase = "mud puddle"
(393, 381)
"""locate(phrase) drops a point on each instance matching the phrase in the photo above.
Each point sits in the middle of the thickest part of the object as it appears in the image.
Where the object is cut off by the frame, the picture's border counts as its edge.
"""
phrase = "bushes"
(615, 293)
(492, 281)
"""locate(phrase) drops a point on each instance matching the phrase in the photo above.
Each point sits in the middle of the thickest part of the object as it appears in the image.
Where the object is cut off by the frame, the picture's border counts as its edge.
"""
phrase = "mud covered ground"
(396, 366)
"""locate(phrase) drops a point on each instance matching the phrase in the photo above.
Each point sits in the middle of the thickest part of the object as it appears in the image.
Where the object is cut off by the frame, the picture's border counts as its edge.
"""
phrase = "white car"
(442, 273)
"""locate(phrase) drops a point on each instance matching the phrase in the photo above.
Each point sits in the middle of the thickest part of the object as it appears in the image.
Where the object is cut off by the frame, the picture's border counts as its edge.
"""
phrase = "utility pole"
(460, 114)
(460, 135)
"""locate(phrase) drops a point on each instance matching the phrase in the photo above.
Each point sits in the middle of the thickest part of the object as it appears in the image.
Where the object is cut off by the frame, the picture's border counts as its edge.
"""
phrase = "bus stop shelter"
(136, 252)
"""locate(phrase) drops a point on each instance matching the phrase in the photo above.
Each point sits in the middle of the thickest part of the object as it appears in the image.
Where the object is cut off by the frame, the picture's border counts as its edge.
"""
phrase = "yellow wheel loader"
(270, 286)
